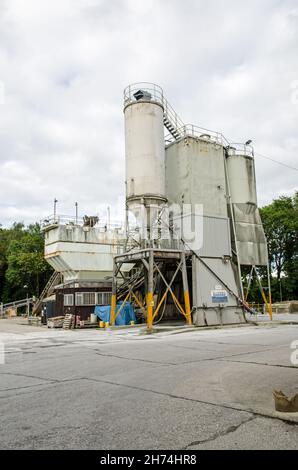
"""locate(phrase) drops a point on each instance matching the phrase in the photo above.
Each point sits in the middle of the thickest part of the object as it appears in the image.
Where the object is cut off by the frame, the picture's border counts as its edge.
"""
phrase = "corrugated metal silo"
(250, 237)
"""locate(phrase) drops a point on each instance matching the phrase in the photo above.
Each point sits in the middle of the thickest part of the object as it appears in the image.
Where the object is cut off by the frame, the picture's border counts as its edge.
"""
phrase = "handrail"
(174, 123)
(172, 115)
(61, 219)
(240, 149)
(190, 130)
(16, 303)
(157, 96)
(155, 91)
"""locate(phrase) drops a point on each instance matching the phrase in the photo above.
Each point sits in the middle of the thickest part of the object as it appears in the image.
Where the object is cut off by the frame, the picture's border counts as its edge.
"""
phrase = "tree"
(26, 270)
(280, 220)
(6, 236)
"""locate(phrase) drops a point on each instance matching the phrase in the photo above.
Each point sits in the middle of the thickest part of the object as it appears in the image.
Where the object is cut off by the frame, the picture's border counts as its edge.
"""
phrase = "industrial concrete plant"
(192, 224)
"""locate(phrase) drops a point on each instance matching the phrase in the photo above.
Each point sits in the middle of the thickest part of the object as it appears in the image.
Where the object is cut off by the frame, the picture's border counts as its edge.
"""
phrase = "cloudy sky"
(230, 66)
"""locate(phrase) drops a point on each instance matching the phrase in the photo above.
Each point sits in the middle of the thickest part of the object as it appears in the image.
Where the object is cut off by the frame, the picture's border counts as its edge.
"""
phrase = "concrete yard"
(181, 388)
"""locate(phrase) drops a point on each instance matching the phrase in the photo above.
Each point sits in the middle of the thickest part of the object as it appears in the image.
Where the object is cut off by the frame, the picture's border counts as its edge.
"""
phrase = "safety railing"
(240, 149)
(4, 308)
(189, 130)
(171, 115)
(17, 303)
(155, 92)
(81, 221)
(145, 91)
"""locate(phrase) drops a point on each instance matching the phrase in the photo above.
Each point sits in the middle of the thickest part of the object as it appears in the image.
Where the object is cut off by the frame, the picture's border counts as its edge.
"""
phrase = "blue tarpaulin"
(126, 315)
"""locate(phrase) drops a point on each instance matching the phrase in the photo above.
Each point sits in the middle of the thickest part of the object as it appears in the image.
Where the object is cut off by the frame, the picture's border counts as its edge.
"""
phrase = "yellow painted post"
(150, 303)
(187, 308)
(114, 296)
(269, 290)
(149, 297)
(113, 310)
(186, 292)
(270, 306)
(267, 302)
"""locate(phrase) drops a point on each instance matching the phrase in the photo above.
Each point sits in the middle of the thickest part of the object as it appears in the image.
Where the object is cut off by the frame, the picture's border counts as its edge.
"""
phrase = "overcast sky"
(230, 66)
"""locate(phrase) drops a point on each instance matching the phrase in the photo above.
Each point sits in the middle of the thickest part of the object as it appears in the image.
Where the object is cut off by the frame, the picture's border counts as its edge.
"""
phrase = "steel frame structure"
(152, 259)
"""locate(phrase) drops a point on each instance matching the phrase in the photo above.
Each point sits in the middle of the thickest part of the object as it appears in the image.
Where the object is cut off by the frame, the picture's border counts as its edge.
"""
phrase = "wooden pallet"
(55, 322)
(68, 322)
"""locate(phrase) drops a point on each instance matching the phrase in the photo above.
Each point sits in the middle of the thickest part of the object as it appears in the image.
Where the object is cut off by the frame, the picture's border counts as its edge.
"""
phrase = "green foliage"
(280, 220)
(23, 269)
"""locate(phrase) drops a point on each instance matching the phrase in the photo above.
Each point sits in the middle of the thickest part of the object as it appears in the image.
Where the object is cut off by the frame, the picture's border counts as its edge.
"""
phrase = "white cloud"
(224, 65)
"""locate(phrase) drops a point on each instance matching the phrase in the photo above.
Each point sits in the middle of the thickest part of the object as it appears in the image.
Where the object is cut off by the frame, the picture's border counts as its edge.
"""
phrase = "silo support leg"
(150, 302)
(113, 309)
(187, 308)
(186, 291)
(114, 295)
(149, 297)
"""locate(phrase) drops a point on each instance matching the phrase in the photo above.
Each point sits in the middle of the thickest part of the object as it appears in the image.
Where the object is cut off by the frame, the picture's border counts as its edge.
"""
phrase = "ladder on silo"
(172, 122)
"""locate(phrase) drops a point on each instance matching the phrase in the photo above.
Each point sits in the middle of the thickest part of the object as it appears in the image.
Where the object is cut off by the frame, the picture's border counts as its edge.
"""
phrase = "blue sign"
(219, 296)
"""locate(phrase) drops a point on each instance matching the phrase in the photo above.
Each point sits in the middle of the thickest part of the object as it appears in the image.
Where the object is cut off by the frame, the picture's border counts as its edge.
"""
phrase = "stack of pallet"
(69, 321)
(55, 322)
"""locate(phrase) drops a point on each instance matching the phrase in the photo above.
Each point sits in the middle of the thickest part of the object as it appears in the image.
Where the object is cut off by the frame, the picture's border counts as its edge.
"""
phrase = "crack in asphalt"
(137, 359)
(221, 357)
(194, 400)
(17, 374)
(46, 382)
(218, 434)
(50, 382)
(21, 388)
(260, 364)
(224, 357)
(228, 356)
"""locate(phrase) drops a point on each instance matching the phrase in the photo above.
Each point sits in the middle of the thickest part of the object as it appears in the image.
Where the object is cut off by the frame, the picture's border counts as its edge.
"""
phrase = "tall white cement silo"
(144, 152)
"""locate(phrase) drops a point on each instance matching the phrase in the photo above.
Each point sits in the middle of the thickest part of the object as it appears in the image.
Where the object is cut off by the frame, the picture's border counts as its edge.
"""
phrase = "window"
(68, 300)
(93, 298)
(104, 298)
(85, 298)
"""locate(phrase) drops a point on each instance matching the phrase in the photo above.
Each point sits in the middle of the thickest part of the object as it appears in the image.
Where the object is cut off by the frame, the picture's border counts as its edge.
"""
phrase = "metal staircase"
(172, 122)
(145, 91)
(48, 290)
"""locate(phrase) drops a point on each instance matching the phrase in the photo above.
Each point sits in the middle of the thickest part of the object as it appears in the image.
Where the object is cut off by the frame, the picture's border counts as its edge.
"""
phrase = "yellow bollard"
(107, 324)
(187, 308)
(113, 309)
(101, 324)
(132, 322)
(150, 305)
